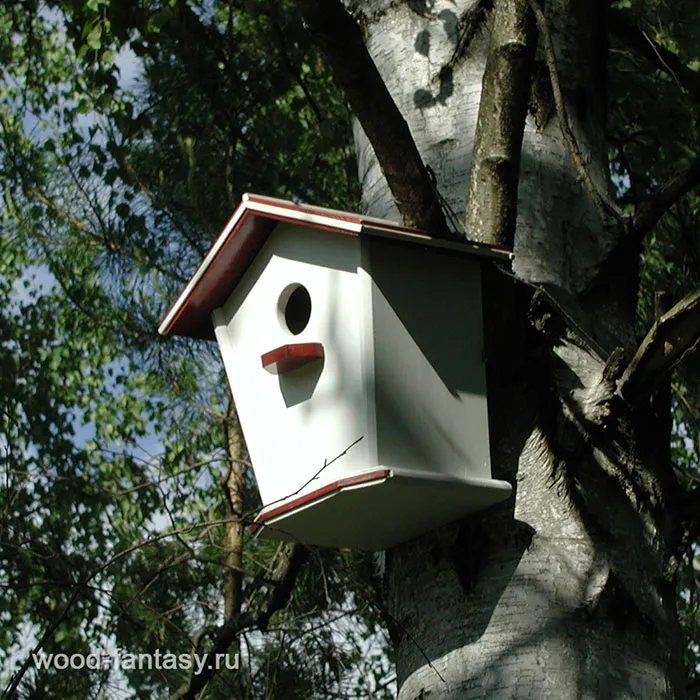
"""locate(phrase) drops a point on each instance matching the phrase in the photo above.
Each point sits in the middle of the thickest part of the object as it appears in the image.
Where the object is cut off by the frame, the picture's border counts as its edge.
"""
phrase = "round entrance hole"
(294, 308)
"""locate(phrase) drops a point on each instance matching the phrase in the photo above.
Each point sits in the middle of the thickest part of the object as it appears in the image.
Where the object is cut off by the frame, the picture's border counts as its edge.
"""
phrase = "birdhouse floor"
(377, 509)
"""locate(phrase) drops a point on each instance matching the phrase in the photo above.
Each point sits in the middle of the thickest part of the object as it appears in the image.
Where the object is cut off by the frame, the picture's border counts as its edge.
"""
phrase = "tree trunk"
(564, 592)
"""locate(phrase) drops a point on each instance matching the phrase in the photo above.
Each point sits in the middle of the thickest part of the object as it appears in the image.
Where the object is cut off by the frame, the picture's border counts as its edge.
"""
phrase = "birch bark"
(561, 593)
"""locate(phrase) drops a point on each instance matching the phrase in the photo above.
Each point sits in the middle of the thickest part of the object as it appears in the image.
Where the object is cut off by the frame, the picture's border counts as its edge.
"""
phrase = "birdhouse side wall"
(428, 359)
(296, 422)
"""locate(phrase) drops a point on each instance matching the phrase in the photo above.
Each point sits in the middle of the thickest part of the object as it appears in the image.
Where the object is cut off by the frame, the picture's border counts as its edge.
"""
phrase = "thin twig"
(326, 464)
(209, 411)
(293, 70)
(62, 213)
(151, 484)
(663, 62)
(658, 56)
(223, 636)
(678, 391)
(413, 640)
(16, 679)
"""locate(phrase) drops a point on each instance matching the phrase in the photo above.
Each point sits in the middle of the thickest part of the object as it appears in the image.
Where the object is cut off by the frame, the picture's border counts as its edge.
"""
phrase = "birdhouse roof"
(253, 221)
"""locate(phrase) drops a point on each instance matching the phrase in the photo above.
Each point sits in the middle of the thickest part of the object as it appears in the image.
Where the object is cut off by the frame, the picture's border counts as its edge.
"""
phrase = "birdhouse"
(354, 351)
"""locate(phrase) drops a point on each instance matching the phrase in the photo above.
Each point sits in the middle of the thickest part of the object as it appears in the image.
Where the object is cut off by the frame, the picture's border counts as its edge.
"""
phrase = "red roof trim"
(289, 357)
(329, 213)
(377, 475)
(218, 280)
(244, 235)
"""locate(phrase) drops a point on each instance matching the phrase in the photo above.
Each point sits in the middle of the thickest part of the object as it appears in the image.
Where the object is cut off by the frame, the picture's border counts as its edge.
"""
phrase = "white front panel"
(295, 422)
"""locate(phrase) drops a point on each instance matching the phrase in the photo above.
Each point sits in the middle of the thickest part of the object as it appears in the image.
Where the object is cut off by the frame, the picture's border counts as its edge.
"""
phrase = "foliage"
(653, 135)
(110, 438)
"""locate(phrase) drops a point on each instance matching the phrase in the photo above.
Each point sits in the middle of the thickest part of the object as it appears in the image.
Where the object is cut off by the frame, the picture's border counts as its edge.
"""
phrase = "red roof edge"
(243, 237)
(262, 518)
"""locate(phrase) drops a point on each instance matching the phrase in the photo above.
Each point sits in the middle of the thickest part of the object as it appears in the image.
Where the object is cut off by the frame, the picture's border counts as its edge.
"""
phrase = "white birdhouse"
(354, 350)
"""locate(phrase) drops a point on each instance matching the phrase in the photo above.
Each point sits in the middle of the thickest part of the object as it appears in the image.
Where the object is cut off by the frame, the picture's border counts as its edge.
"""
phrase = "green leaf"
(158, 20)
(94, 38)
(108, 57)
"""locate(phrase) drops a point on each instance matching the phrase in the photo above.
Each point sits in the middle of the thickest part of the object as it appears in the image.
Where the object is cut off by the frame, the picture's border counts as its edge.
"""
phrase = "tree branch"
(12, 686)
(232, 486)
(61, 213)
(665, 195)
(294, 71)
(279, 593)
(676, 333)
(663, 59)
(202, 49)
(603, 202)
(340, 39)
(493, 178)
